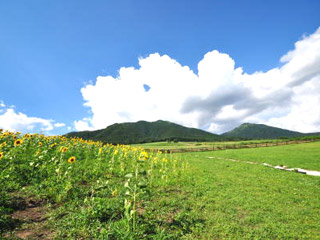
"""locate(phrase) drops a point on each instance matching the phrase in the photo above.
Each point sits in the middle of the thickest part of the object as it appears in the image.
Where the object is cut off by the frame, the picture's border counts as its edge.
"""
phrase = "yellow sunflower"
(72, 159)
(18, 142)
(143, 155)
(53, 145)
(63, 149)
(100, 151)
(27, 135)
(1, 155)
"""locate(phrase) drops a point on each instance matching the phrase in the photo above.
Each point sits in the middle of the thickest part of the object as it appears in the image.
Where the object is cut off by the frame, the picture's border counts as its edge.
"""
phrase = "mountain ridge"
(143, 131)
(262, 131)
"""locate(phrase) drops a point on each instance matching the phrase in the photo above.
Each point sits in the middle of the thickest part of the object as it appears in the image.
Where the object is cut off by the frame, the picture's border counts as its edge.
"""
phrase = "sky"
(83, 65)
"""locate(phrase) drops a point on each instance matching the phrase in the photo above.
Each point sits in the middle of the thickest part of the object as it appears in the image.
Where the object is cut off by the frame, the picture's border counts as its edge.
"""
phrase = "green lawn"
(178, 145)
(305, 155)
(233, 200)
(118, 192)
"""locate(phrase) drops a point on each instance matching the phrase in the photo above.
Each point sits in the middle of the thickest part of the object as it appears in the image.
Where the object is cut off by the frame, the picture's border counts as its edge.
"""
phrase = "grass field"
(305, 155)
(234, 200)
(180, 145)
(57, 188)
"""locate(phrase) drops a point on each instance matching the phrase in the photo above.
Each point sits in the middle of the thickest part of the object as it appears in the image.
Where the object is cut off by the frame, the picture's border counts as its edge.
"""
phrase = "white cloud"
(12, 121)
(304, 114)
(124, 98)
(82, 125)
(228, 112)
(217, 98)
(58, 125)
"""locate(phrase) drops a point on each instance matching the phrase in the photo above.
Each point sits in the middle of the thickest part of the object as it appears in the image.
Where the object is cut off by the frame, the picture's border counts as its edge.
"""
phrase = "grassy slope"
(71, 189)
(213, 199)
(231, 200)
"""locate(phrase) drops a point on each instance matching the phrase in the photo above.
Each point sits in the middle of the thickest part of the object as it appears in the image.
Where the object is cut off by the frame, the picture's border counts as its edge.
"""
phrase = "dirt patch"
(33, 211)
(31, 216)
(35, 233)
(171, 216)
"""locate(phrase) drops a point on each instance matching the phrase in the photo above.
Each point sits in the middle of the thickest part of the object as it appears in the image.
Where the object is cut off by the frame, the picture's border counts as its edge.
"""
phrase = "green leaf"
(129, 175)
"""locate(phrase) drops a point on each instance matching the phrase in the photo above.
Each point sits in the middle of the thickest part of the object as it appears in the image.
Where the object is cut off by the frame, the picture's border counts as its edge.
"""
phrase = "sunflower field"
(91, 190)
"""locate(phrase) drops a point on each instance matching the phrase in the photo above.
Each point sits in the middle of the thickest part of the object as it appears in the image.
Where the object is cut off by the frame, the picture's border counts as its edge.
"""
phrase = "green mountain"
(142, 132)
(261, 131)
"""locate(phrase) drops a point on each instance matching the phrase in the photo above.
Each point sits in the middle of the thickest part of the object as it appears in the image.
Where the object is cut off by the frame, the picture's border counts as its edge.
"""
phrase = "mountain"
(261, 131)
(142, 132)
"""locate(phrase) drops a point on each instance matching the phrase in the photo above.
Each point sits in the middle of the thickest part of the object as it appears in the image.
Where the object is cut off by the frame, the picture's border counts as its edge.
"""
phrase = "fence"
(232, 146)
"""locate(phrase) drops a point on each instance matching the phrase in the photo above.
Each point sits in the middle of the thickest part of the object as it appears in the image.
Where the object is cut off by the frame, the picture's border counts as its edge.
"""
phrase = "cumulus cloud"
(82, 125)
(217, 98)
(16, 121)
(59, 125)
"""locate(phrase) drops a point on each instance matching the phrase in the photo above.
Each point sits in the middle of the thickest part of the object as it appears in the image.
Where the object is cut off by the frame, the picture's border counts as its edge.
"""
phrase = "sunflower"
(143, 155)
(40, 144)
(100, 151)
(63, 149)
(27, 135)
(1, 155)
(18, 142)
(72, 159)
(53, 145)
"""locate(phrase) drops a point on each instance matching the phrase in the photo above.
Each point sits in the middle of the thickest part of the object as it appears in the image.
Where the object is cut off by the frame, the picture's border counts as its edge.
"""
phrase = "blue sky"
(52, 51)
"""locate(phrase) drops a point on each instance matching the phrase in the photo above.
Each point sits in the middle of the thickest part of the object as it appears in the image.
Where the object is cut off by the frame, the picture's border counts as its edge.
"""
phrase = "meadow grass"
(221, 199)
(88, 190)
(181, 145)
(305, 155)
(93, 191)
(235, 200)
